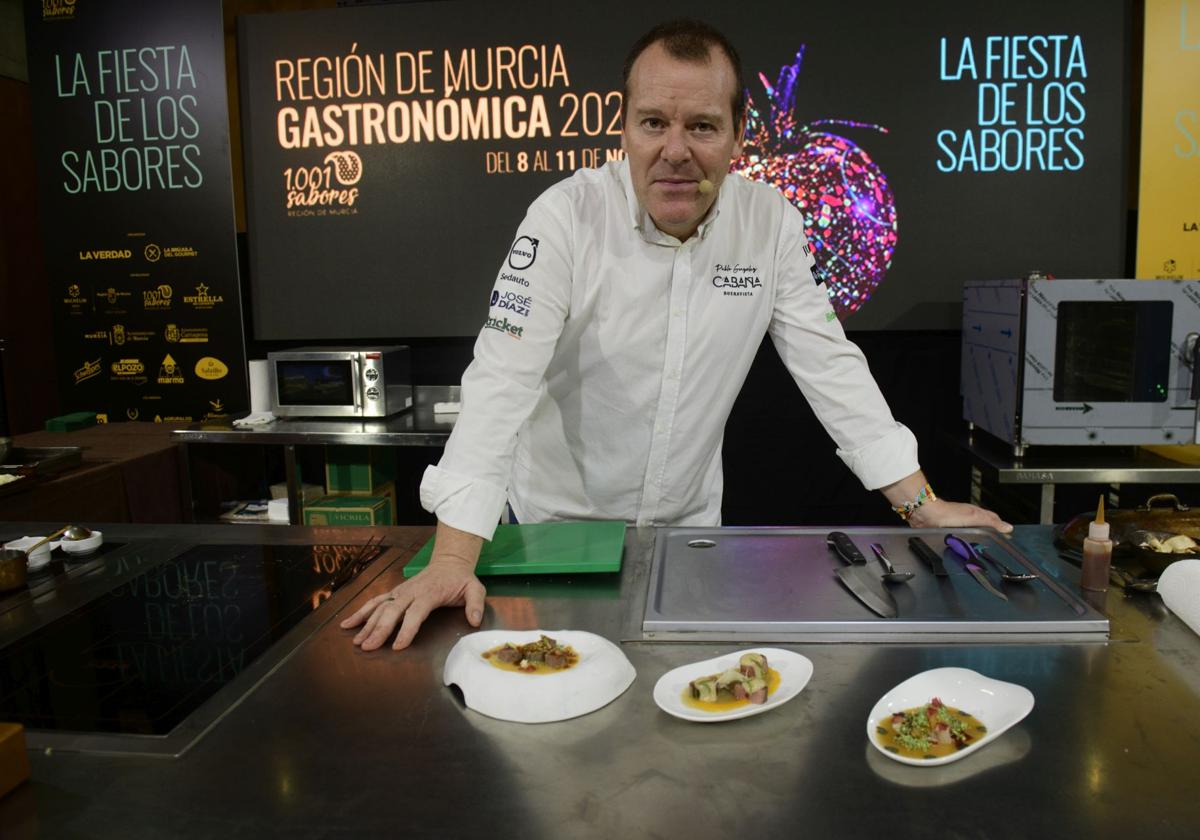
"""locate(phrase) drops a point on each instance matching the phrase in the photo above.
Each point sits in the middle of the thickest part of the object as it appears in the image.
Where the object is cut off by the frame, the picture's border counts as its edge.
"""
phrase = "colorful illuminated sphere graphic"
(849, 210)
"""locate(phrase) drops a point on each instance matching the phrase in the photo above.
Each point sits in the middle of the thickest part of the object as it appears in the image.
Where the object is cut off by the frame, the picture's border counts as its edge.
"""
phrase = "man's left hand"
(943, 514)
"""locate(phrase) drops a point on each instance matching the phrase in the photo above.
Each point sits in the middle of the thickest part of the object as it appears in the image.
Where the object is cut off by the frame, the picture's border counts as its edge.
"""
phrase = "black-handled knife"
(863, 585)
(923, 550)
(845, 548)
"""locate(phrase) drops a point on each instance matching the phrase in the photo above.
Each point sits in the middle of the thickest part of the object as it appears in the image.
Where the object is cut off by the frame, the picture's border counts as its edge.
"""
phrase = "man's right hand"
(448, 581)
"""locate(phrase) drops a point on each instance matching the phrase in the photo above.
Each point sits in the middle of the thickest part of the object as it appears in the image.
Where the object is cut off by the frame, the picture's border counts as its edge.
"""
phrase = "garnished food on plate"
(545, 656)
(750, 682)
(1178, 544)
(930, 731)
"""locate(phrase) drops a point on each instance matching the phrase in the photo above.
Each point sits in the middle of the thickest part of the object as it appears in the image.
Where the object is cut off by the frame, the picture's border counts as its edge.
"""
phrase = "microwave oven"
(340, 381)
(1082, 362)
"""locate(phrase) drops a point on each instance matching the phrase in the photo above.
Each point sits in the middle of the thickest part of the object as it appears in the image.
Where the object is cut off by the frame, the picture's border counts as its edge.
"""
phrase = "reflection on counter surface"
(322, 739)
(141, 657)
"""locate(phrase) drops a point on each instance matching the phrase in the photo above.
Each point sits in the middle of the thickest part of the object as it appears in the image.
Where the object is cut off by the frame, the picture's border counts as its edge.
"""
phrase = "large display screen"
(391, 151)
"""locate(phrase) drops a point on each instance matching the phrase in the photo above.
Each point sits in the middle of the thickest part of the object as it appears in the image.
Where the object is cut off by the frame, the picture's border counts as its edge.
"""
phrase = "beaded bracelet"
(908, 508)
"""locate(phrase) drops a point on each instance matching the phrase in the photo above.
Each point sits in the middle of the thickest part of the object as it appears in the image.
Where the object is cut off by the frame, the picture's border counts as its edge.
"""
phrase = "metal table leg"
(1047, 510)
(293, 483)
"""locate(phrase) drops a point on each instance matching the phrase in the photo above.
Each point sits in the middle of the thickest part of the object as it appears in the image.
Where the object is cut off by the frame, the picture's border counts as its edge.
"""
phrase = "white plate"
(601, 676)
(998, 706)
(794, 673)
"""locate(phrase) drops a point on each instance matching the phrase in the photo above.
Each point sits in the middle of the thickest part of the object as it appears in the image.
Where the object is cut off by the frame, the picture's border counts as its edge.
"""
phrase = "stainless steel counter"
(1049, 466)
(338, 743)
(416, 427)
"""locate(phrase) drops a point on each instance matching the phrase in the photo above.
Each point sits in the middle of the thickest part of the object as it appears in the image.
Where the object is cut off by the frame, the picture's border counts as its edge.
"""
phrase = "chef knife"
(967, 552)
(923, 550)
(857, 582)
(845, 548)
(862, 585)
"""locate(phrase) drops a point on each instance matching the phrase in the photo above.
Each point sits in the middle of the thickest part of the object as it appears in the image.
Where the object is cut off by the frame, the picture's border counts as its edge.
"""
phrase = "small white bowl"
(998, 705)
(41, 555)
(84, 546)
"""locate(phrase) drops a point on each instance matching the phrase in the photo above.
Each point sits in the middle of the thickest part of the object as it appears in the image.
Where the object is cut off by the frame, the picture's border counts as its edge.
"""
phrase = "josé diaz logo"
(513, 302)
(522, 253)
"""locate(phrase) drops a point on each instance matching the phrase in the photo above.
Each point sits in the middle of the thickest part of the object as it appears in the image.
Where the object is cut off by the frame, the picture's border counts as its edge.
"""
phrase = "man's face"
(679, 131)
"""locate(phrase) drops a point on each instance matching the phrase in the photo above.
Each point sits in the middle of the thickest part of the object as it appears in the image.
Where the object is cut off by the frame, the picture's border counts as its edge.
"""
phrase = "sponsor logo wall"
(131, 128)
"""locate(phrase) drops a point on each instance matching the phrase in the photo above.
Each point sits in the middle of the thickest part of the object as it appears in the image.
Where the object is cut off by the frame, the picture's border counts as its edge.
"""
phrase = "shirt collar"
(640, 220)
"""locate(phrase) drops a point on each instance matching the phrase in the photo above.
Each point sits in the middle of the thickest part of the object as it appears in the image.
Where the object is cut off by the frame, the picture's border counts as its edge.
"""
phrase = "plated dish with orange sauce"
(734, 685)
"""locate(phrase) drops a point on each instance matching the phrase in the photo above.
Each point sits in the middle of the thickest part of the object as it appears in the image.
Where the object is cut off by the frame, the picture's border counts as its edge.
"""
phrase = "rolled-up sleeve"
(529, 303)
(832, 372)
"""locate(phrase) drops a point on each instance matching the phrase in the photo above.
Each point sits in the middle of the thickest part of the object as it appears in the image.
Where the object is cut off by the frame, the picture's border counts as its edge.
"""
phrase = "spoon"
(76, 532)
(1005, 572)
(889, 571)
(46, 539)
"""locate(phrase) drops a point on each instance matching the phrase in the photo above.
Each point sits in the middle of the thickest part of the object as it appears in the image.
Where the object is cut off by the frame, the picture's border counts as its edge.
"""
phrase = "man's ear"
(741, 138)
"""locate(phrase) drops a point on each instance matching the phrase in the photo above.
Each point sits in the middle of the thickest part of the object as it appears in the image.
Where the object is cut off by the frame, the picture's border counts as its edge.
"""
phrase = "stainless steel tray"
(778, 584)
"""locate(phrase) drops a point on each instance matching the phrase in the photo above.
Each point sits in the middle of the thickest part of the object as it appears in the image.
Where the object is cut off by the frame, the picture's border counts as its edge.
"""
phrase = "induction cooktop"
(136, 664)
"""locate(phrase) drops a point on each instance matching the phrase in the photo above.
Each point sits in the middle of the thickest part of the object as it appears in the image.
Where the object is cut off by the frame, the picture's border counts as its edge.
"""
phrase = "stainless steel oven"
(1082, 362)
(340, 381)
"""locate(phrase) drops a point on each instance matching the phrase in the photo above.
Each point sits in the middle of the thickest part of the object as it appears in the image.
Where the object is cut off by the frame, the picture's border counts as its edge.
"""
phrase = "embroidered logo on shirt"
(514, 278)
(513, 302)
(505, 326)
(523, 253)
(736, 280)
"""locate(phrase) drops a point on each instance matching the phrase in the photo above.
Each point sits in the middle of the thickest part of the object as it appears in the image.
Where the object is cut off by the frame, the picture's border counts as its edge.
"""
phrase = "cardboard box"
(308, 492)
(344, 509)
(358, 469)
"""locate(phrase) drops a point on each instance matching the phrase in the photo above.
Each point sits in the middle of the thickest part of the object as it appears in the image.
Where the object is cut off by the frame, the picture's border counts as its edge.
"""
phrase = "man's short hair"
(689, 40)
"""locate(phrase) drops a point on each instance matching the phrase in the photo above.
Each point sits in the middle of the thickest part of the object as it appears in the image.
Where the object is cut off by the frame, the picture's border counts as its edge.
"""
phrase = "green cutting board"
(543, 549)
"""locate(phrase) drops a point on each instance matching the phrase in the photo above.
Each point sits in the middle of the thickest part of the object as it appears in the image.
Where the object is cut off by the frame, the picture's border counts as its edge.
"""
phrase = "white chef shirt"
(613, 353)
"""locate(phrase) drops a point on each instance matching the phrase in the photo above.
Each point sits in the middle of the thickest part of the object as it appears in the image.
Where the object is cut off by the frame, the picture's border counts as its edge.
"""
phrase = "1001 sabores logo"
(330, 185)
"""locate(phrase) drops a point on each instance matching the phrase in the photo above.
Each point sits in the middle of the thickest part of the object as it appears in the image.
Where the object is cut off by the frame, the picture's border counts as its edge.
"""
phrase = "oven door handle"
(356, 361)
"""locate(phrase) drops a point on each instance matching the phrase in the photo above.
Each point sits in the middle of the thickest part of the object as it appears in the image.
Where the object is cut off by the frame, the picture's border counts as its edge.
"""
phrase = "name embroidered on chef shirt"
(513, 302)
(736, 280)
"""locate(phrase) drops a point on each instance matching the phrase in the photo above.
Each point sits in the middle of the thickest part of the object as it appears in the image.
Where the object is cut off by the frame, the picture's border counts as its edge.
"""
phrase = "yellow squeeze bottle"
(1097, 554)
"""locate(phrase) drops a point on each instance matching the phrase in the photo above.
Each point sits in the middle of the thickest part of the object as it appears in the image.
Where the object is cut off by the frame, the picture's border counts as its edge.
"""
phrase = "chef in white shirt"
(623, 321)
